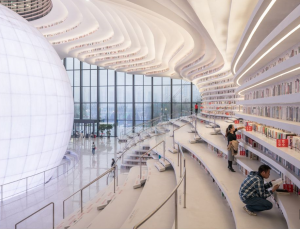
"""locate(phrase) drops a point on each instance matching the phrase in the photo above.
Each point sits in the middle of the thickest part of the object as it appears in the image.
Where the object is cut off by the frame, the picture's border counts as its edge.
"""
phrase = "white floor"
(15, 209)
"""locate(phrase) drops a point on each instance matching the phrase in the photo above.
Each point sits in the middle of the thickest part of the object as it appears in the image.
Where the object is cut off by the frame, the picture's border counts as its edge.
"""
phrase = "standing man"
(196, 108)
(93, 148)
(254, 193)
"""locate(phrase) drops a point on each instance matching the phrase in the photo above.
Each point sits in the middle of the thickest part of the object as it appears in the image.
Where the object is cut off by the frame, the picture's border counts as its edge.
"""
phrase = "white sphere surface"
(36, 104)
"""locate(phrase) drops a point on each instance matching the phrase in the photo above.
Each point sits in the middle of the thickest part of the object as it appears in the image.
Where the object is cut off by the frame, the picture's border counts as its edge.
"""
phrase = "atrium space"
(167, 114)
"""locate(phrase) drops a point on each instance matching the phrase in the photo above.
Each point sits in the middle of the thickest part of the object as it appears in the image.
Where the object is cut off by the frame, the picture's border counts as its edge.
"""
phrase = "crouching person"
(254, 192)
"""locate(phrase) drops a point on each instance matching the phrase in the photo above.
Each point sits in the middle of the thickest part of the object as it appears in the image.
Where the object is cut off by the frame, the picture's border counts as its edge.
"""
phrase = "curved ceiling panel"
(176, 38)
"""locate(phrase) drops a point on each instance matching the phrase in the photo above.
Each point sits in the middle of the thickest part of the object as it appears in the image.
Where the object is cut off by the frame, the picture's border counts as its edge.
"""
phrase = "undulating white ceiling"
(188, 39)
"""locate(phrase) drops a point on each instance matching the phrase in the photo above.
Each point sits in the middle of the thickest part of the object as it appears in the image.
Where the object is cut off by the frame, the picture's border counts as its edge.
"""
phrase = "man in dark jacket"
(254, 193)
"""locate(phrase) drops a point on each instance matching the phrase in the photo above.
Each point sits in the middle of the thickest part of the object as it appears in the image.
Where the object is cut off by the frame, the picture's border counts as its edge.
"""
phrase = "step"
(90, 208)
(174, 151)
(160, 167)
(156, 190)
(140, 181)
(217, 168)
(165, 162)
(118, 210)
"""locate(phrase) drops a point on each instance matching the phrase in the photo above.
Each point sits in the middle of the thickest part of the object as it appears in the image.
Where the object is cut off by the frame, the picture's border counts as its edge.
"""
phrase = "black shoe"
(232, 170)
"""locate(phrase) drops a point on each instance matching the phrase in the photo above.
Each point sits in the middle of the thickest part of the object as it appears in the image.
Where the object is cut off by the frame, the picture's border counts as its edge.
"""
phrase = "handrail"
(80, 190)
(175, 190)
(164, 150)
(26, 178)
(37, 212)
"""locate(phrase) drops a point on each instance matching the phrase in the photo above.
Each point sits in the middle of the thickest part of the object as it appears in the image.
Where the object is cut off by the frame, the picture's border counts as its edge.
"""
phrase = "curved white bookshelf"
(277, 123)
(220, 89)
(286, 69)
(288, 29)
(218, 95)
(217, 85)
(281, 99)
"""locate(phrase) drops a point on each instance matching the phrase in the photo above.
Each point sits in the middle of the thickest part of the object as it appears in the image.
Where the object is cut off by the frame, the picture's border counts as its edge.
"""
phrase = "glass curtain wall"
(124, 100)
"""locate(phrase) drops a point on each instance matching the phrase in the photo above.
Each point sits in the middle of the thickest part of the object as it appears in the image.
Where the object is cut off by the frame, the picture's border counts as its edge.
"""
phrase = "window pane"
(186, 107)
(129, 94)
(147, 94)
(129, 111)
(176, 94)
(176, 112)
(157, 97)
(120, 94)
(86, 78)
(176, 81)
(186, 82)
(120, 78)
(70, 74)
(157, 109)
(129, 79)
(147, 111)
(147, 80)
(77, 78)
(111, 93)
(166, 81)
(103, 77)
(76, 94)
(76, 64)
(138, 79)
(111, 77)
(138, 93)
(139, 111)
(86, 111)
(94, 78)
(85, 65)
(196, 94)
(94, 111)
(94, 67)
(103, 112)
(166, 93)
(121, 111)
(111, 111)
(103, 94)
(69, 63)
(157, 81)
(77, 111)
(86, 94)
(186, 93)
(93, 94)
(167, 110)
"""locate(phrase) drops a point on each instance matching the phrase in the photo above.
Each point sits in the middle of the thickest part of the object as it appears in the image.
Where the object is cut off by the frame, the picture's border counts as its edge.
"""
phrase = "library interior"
(181, 114)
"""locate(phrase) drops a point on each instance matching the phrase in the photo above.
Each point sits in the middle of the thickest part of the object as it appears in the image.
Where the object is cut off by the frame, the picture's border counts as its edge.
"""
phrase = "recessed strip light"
(252, 33)
(269, 50)
(282, 74)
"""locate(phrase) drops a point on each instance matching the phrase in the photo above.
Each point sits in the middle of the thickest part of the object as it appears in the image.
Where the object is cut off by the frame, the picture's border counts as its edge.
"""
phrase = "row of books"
(229, 97)
(285, 88)
(219, 103)
(217, 92)
(220, 87)
(289, 113)
(289, 54)
(214, 76)
(264, 150)
(218, 82)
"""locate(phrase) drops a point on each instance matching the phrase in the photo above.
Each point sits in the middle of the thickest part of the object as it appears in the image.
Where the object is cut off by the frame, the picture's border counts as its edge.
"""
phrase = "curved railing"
(113, 168)
(42, 179)
(174, 192)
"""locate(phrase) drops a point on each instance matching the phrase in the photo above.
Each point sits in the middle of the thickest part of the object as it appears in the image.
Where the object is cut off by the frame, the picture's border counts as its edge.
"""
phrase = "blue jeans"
(257, 204)
(93, 151)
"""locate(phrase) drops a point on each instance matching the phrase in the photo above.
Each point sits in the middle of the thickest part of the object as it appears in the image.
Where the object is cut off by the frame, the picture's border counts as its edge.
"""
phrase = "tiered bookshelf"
(268, 79)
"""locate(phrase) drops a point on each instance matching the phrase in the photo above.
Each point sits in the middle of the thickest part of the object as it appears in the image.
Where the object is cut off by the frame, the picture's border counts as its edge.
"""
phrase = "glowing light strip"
(252, 33)
(295, 69)
(269, 50)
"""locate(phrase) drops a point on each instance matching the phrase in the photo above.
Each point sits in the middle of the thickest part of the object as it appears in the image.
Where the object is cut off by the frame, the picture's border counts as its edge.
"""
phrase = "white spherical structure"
(36, 104)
